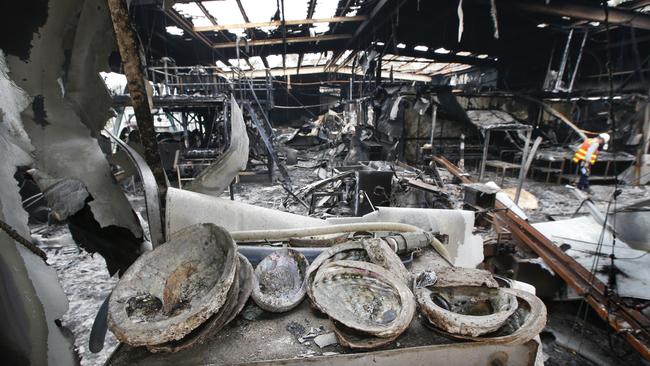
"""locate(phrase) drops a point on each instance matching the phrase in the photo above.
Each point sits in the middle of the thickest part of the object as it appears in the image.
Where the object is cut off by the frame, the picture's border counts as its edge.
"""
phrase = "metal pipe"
(565, 57)
(486, 144)
(461, 161)
(400, 244)
(523, 171)
(575, 69)
(524, 156)
(434, 115)
(285, 234)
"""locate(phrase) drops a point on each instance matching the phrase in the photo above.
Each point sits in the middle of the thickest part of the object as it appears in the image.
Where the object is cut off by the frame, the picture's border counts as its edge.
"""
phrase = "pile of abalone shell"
(183, 291)
(362, 286)
(191, 287)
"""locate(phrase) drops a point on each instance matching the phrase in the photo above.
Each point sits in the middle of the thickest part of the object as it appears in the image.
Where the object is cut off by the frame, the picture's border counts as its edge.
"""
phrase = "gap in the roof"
(174, 30)
(259, 11)
(223, 66)
(274, 61)
(325, 9)
(320, 28)
(192, 11)
(345, 55)
(294, 9)
(292, 60)
(256, 62)
(243, 65)
(226, 12)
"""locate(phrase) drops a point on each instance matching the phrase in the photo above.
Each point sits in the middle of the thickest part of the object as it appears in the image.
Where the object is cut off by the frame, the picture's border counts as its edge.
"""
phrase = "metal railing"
(204, 80)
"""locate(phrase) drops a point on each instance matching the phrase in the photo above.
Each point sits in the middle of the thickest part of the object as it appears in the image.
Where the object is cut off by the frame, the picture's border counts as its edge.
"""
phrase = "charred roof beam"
(272, 41)
(622, 17)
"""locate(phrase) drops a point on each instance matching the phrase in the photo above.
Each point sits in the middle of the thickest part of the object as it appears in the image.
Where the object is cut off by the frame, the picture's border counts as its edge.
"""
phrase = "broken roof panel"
(494, 119)
(192, 11)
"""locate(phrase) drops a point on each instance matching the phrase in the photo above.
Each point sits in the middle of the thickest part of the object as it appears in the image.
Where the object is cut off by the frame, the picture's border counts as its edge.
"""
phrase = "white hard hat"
(604, 136)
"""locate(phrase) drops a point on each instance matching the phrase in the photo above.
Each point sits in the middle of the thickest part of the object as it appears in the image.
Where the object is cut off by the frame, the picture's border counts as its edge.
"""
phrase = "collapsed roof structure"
(299, 181)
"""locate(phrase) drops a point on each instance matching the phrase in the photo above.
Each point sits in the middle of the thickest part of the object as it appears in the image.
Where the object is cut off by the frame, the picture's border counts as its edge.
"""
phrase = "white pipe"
(284, 234)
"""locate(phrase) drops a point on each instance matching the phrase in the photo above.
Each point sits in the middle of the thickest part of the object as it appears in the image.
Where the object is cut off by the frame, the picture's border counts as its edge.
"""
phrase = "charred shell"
(279, 281)
(523, 325)
(364, 297)
(465, 310)
(239, 293)
(375, 251)
(172, 290)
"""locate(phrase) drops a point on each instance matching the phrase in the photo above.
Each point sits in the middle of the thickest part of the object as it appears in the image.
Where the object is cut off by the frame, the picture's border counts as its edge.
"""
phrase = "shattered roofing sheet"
(490, 119)
(417, 66)
(420, 65)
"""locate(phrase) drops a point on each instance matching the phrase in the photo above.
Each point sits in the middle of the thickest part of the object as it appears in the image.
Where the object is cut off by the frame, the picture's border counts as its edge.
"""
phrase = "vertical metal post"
(378, 71)
(486, 144)
(575, 69)
(129, 47)
(434, 115)
(350, 94)
(461, 162)
(522, 170)
(644, 146)
(565, 56)
(167, 89)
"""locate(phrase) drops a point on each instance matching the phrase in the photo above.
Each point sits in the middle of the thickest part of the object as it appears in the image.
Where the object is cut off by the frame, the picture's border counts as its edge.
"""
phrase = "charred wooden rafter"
(277, 23)
(272, 41)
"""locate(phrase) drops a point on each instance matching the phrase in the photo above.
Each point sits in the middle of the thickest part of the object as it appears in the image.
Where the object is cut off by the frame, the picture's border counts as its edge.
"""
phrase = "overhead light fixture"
(442, 51)
(463, 53)
(379, 43)
(401, 45)
(566, 18)
(482, 56)
(542, 25)
(594, 24)
(421, 48)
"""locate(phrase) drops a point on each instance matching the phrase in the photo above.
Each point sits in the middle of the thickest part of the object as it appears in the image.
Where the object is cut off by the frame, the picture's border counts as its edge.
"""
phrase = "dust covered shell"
(372, 250)
(364, 297)
(170, 291)
(237, 297)
(465, 310)
(279, 280)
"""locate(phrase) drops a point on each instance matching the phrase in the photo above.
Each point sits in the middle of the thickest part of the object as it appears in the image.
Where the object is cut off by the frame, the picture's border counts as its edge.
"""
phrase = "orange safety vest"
(582, 152)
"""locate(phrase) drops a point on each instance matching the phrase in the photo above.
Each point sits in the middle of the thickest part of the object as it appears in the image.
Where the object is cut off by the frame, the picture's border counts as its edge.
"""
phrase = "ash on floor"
(86, 283)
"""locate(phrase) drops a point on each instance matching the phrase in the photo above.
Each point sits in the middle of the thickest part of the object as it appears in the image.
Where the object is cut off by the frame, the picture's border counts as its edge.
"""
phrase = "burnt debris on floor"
(325, 181)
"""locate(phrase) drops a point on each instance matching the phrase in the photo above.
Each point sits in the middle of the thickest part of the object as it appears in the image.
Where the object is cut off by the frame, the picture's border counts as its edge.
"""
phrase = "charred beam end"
(128, 46)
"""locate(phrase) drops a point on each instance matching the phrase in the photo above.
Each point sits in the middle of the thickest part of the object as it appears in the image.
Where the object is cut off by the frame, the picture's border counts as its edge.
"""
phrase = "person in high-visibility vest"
(586, 156)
